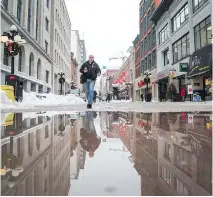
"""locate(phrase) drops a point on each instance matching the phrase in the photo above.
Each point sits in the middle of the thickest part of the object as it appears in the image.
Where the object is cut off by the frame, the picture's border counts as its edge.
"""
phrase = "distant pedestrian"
(183, 93)
(142, 97)
(108, 97)
(90, 70)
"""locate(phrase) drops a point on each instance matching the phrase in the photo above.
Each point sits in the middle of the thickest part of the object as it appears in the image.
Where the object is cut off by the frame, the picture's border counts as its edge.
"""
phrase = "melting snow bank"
(32, 99)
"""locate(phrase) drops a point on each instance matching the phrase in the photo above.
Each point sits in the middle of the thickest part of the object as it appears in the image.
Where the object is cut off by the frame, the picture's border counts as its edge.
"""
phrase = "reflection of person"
(89, 139)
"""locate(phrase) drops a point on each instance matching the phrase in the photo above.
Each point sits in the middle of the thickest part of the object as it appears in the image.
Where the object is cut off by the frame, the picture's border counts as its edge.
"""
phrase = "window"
(20, 60)
(47, 3)
(39, 69)
(181, 188)
(46, 46)
(4, 3)
(141, 29)
(30, 144)
(145, 64)
(5, 62)
(149, 62)
(47, 78)
(166, 57)
(183, 156)
(180, 48)
(149, 40)
(166, 175)
(19, 5)
(164, 34)
(145, 44)
(47, 24)
(197, 4)
(180, 18)
(144, 24)
(154, 59)
(37, 17)
(142, 48)
(153, 37)
(31, 64)
(148, 19)
(29, 16)
(204, 174)
(167, 153)
(202, 33)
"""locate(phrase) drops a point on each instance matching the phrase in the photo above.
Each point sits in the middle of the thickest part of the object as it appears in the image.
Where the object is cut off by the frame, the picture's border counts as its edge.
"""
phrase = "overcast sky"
(108, 26)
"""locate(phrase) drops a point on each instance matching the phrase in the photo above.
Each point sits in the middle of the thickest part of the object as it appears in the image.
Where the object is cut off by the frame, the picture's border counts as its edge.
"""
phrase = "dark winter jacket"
(92, 70)
(89, 140)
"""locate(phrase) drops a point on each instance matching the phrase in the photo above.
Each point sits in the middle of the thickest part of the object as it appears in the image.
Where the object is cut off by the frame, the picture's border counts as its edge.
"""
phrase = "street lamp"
(61, 81)
(12, 41)
(147, 82)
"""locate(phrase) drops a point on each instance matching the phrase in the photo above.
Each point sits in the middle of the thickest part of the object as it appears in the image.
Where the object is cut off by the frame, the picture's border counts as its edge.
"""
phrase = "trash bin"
(9, 90)
(17, 83)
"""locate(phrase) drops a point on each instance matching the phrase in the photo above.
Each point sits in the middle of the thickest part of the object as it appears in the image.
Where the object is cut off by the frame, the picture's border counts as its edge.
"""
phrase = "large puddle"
(106, 153)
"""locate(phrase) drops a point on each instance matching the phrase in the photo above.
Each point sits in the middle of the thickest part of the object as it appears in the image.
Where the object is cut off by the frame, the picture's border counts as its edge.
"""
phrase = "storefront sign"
(190, 118)
(183, 67)
(201, 61)
(141, 83)
(163, 74)
(190, 89)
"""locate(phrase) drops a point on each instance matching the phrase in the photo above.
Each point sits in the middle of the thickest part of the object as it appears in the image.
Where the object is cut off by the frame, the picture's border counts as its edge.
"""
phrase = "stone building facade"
(48, 42)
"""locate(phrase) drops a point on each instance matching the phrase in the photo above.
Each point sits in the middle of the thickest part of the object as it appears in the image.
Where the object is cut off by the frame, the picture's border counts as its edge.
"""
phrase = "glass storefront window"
(202, 33)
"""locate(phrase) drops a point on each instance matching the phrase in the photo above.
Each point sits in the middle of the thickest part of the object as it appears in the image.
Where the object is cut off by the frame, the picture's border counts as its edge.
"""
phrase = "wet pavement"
(106, 153)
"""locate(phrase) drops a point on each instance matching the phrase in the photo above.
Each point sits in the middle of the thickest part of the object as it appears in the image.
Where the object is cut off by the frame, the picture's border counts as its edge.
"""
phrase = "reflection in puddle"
(106, 153)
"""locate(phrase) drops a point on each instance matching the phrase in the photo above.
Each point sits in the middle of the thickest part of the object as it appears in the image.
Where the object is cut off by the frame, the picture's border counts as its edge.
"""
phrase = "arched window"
(39, 69)
(20, 60)
(31, 64)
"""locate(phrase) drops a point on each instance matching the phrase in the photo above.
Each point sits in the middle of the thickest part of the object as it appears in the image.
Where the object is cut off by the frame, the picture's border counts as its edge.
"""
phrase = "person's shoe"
(89, 106)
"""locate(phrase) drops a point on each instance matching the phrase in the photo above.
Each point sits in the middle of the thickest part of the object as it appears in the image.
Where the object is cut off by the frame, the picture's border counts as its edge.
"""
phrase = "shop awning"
(200, 61)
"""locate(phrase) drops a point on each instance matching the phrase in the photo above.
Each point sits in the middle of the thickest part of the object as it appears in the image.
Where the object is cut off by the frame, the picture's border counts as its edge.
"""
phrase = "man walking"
(90, 71)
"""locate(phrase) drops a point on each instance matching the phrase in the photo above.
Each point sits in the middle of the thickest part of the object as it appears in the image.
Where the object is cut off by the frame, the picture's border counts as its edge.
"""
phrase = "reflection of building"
(43, 155)
(174, 153)
(123, 128)
(182, 169)
(147, 153)
(79, 155)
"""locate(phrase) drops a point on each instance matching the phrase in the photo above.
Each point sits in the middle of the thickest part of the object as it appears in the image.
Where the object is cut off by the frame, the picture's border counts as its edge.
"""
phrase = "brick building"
(147, 49)
(74, 69)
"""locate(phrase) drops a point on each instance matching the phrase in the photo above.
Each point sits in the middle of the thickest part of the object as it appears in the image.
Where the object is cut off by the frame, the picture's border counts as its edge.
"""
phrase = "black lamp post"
(61, 81)
(147, 81)
(12, 41)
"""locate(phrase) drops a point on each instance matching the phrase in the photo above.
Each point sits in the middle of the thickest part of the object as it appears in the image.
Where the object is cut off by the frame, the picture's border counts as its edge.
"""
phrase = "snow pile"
(5, 101)
(50, 99)
(33, 99)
